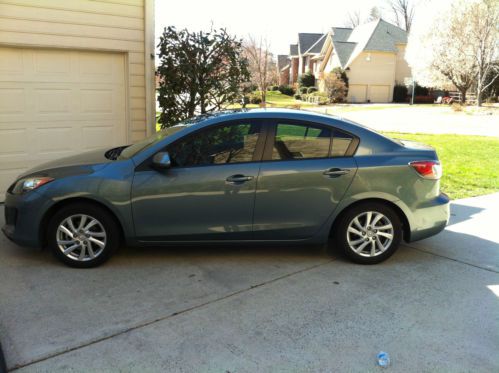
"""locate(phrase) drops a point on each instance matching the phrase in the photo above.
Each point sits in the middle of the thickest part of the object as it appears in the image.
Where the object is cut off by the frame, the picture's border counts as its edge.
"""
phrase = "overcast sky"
(277, 20)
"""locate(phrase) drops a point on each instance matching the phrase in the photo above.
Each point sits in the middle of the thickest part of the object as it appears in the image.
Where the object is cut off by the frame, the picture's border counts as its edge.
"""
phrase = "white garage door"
(379, 93)
(357, 93)
(57, 103)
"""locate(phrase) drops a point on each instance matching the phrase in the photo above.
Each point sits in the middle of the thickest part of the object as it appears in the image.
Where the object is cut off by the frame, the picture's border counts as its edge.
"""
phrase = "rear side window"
(341, 142)
(300, 141)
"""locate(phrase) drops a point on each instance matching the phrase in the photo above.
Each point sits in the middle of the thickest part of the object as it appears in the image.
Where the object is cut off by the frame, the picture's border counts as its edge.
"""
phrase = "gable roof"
(293, 49)
(377, 35)
(306, 41)
(317, 46)
(282, 61)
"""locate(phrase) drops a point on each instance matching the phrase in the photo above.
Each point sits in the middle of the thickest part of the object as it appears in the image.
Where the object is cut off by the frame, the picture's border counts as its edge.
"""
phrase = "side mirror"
(161, 160)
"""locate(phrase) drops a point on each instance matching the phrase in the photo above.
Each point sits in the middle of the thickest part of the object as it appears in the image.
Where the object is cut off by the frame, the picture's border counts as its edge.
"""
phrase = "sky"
(277, 20)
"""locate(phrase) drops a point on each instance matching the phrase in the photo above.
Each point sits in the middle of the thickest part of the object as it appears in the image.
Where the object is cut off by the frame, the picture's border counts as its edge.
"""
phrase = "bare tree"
(354, 19)
(483, 35)
(262, 67)
(402, 12)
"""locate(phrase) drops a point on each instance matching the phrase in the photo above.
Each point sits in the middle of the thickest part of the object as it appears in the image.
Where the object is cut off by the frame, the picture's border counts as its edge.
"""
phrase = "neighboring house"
(74, 75)
(283, 69)
(302, 57)
(372, 55)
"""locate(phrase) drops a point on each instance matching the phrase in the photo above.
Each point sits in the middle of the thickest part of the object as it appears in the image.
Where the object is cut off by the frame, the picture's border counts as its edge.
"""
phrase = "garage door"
(57, 103)
(380, 93)
(357, 93)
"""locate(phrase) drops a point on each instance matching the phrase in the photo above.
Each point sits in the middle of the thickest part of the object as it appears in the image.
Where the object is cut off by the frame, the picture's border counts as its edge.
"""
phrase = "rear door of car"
(305, 171)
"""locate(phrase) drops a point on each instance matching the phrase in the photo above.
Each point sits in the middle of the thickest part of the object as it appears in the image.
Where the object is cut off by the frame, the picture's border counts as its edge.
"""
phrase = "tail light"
(428, 169)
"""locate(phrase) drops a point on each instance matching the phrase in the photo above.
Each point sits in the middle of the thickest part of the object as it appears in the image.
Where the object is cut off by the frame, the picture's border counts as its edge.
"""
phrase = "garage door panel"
(379, 93)
(357, 93)
(57, 103)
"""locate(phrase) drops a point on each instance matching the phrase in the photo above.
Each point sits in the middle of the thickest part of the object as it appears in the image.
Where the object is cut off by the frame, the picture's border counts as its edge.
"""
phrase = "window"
(301, 141)
(341, 142)
(233, 143)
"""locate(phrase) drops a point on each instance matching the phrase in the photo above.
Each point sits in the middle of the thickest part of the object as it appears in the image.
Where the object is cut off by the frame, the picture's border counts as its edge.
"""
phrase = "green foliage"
(297, 96)
(303, 90)
(307, 80)
(312, 89)
(400, 93)
(421, 91)
(286, 90)
(255, 98)
(199, 72)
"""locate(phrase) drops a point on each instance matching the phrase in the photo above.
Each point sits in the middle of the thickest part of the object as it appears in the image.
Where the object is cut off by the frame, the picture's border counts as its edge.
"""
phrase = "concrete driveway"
(434, 306)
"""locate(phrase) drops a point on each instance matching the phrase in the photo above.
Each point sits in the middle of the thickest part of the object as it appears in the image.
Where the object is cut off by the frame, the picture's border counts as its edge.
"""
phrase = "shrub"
(457, 107)
(303, 90)
(421, 91)
(297, 96)
(307, 80)
(336, 88)
(286, 90)
(255, 98)
(275, 88)
(312, 89)
(400, 93)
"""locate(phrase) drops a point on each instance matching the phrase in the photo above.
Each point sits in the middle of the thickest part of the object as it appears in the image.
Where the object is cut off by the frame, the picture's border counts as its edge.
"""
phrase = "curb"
(3, 367)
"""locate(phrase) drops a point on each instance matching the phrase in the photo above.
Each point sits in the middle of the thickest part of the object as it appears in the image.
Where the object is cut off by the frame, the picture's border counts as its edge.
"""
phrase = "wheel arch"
(406, 228)
(69, 201)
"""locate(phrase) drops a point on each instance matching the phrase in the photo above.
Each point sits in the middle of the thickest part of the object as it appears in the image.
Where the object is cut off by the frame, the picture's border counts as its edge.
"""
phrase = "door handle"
(238, 179)
(335, 172)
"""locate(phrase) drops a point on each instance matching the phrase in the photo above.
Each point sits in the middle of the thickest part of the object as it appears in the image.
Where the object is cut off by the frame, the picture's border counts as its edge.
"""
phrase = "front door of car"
(209, 190)
(306, 170)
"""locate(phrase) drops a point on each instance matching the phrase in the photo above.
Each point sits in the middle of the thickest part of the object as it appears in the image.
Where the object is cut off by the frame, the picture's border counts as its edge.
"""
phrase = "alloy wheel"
(370, 234)
(81, 237)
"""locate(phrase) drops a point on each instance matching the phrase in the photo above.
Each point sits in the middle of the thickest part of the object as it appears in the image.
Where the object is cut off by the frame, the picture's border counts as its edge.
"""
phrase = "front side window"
(300, 141)
(231, 143)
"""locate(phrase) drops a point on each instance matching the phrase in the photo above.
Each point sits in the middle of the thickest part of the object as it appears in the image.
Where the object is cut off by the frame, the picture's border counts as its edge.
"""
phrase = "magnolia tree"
(457, 46)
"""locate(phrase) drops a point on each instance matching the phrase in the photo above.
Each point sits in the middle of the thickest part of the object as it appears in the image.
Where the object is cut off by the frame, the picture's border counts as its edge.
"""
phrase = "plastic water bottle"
(383, 359)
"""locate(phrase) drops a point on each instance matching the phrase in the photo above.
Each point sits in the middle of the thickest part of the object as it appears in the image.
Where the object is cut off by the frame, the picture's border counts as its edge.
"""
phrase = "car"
(273, 176)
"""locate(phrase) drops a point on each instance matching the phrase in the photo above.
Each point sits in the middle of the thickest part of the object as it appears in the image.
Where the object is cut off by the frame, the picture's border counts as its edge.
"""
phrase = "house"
(74, 75)
(283, 69)
(301, 57)
(372, 55)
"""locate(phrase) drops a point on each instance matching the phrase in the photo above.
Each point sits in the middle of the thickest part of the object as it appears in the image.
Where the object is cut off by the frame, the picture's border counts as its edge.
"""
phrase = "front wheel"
(368, 233)
(83, 235)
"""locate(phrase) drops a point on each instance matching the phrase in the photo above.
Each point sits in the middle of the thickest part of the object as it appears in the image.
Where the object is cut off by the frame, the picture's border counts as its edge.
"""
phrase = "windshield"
(151, 140)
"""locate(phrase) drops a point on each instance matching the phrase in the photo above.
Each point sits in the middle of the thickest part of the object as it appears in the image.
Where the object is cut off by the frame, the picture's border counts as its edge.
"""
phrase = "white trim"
(150, 70)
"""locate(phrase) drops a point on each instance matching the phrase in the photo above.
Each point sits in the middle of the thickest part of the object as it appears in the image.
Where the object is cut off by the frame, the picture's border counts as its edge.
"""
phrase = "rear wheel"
(83, 235)
(368, 233)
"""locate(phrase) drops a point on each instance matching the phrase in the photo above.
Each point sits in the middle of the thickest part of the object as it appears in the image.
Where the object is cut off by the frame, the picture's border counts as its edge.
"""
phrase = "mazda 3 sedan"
(260, 176)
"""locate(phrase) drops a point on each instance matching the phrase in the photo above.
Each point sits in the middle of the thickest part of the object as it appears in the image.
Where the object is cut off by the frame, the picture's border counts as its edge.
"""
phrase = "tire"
(89, 226)
(378, 244)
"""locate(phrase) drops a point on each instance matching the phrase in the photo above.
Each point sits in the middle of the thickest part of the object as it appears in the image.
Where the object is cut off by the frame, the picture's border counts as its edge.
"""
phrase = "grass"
(470, 163)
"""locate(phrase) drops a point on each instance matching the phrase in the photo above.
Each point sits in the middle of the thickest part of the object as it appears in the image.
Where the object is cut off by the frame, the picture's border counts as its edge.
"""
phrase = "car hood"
(73, 165)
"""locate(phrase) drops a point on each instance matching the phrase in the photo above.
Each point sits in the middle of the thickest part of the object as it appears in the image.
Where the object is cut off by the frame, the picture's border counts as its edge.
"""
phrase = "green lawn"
(470, 163)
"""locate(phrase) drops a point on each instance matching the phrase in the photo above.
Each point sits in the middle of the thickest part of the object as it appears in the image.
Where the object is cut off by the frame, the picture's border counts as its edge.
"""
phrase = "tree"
(199, 72)
(262, 67)
(483, 37)
(438, 59)
(374, 14)
(354, 19)
(402, 12)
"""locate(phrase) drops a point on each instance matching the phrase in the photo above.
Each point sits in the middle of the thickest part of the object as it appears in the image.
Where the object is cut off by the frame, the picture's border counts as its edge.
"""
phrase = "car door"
(209, 190)
(305, 172)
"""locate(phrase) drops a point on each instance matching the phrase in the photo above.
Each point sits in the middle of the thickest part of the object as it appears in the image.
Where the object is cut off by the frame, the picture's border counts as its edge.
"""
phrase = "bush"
(255, 98)
(457, 107)
(286, 90)
(400, 93)
(303, 90)
(335, 87)
(297, 96)
(275, 88)
(421, 91)
(307, 80)
(312, 89)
